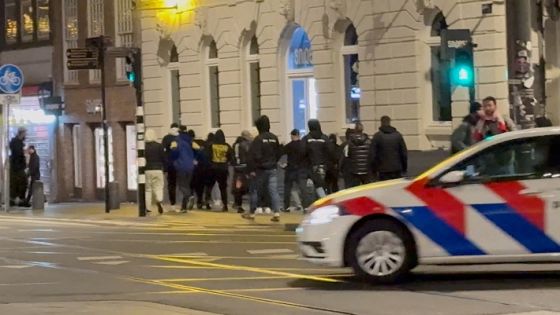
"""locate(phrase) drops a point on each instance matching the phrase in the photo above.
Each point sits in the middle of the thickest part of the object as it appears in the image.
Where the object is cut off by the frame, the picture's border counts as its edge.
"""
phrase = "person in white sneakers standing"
(155, 162)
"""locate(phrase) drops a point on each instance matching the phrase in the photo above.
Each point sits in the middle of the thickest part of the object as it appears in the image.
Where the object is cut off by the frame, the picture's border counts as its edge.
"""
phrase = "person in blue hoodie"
(184, 160)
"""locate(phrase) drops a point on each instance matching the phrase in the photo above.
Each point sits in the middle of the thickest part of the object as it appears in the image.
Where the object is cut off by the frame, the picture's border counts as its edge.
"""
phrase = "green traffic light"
(131, 76)
(462, 75)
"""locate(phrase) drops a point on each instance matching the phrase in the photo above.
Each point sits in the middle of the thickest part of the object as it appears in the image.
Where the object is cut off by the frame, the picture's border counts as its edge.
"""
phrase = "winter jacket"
(34, 167)
(155, 156)
(358, 153)
(462, 137)
(388, 151)
(220, 152)
(166, 143)
(492, 126)
(318, 147)
(182, 154)
(17, 157)
(241, 154)
(295, 153)
(265, 149)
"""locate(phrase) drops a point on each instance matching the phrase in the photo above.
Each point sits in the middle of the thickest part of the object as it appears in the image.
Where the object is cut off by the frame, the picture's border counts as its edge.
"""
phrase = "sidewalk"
(128, 215)
(95, 308)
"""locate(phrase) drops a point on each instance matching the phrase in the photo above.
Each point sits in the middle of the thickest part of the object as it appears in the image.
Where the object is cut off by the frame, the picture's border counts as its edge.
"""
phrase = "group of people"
(25, 170)
(194, 166)
(483, 121)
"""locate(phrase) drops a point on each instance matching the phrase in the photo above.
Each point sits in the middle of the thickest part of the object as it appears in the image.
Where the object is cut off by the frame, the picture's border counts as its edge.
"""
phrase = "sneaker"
(248, 216)
(240, 210)
(275, 218)
(199, 206)
(286, 210)
(225, 209)
(190, 204)
(267, 210)
(172, 208)
(259, 211)
(184, 210)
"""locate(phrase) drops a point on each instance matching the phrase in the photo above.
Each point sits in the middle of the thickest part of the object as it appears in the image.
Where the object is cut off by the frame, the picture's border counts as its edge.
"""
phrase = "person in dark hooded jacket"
(388, 152)
(263, 158)
(358, 155)
(184, 160)
(319, 153)
(169, 168)
(345, 165)
(331, 177)
(221, 155)
(240, 175)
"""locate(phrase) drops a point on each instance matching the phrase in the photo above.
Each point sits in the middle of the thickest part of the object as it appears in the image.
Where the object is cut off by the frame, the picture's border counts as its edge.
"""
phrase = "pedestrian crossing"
(104, 260)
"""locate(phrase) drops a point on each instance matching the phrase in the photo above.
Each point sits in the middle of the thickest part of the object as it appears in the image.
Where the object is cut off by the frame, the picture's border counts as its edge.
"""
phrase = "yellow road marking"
(240, 278)
(292, 257)
(245, 268)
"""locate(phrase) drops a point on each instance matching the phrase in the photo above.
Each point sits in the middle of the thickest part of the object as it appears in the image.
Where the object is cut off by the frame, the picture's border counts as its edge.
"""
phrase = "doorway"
(303, 101)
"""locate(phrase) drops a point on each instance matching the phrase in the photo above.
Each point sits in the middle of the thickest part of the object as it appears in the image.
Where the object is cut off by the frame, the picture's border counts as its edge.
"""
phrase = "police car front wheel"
(380, 251)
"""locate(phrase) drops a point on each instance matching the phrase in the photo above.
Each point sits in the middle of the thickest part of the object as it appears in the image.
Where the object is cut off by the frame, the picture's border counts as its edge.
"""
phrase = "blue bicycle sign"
(11, 79)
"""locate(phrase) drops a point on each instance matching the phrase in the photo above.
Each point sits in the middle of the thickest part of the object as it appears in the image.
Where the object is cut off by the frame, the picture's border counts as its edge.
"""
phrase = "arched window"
(351, 65)
(213, 84)
(439, 73)
(299, 54)
(254, 79)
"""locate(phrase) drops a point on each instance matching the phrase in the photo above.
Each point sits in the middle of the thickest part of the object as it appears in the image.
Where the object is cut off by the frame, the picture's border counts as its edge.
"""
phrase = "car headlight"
(322, 215)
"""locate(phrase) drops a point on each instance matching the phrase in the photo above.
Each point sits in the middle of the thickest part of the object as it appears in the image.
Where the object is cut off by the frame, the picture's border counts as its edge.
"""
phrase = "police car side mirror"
(453, 177)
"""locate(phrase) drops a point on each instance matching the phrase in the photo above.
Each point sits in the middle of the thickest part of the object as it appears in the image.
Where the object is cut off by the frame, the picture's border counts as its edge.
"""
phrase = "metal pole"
(105, 124)
(140, 129)
(6, 140)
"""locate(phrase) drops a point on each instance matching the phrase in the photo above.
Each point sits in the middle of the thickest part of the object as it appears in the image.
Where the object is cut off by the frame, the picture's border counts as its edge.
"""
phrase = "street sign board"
(6, 99)
(82, 53)
(52, 105)
(80, 64)
(11, 79)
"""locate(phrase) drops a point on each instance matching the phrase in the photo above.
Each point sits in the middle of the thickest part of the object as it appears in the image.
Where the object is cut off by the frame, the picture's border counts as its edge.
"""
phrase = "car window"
(530, 158)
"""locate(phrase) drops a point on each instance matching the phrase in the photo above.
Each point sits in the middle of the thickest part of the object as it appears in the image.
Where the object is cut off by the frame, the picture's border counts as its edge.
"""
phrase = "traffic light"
(462, 68)
(130, 74)
(133, 68)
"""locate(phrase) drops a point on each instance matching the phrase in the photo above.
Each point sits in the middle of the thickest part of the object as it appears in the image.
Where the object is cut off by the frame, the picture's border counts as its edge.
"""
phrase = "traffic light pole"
(102, 51)
(140, 130)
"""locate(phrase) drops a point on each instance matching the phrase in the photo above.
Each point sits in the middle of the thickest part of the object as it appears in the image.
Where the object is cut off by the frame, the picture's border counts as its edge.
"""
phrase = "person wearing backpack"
(239, 185)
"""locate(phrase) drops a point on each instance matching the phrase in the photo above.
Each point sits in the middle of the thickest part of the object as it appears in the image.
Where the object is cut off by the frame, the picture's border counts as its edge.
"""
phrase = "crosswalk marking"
(99, 258)
(16, 266)
(269, 251)
(112, 263)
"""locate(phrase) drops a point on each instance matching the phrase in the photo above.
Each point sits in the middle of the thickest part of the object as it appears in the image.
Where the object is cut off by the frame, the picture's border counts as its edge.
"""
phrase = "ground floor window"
(76, 149)
(132, 167)
(352, 88)
(100, 158)
(304, 102)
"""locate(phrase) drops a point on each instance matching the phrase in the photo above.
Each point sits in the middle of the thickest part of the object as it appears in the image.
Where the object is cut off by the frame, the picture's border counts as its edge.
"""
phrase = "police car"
(496, 202)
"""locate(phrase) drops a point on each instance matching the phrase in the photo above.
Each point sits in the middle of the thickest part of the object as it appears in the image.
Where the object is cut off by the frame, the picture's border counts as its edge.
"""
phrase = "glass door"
(304, 102)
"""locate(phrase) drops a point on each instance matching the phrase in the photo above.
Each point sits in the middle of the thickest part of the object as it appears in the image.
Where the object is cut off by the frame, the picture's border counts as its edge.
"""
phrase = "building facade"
(81, 166)
(338, 61)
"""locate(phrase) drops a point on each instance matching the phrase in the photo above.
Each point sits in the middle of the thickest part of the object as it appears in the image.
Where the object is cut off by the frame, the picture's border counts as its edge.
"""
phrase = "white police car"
(496, 202)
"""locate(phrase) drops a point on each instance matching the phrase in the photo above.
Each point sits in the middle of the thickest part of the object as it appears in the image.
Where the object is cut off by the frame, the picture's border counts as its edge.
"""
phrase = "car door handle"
(530, 192)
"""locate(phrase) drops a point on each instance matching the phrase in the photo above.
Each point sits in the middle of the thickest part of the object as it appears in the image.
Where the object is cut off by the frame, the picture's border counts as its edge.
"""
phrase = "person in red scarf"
(491, 122)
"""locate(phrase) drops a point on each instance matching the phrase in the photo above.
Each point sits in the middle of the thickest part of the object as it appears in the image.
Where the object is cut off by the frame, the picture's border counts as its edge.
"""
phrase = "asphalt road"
(238, 269)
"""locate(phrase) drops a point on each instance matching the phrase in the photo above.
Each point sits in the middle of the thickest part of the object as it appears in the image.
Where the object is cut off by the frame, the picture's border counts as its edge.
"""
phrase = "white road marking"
(288, 256)
(269, 251)
(26, 284)
(112, 263)
(99, 258)
(16, 266)
(188, 255)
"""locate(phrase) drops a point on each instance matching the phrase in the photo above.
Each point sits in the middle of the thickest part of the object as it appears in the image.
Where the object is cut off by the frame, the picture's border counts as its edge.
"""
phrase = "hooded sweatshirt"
(265, 149)
(220, 151)
(166, 142)
(155, 155)
(388, 151)
(182, 154)
(318, 148)
(241, 151)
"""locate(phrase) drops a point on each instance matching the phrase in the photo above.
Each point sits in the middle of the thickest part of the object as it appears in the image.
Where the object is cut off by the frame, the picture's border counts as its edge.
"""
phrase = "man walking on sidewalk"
(358, 153)
(319, 153)
(169, 167)
(263, 159)
(183, 157)
(155, 162)
(388, 153)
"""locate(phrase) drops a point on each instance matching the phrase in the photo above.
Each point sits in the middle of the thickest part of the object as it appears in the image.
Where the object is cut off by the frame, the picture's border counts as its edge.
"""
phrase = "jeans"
(184, 183)
(318, 174)
(265, 181)
(299, 177)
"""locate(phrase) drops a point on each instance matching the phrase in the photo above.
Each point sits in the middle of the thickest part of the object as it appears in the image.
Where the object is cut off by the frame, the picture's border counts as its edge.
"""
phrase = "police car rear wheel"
(380, 251)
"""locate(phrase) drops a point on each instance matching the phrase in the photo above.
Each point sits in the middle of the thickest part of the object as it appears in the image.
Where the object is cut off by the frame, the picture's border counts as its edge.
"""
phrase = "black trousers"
(172, 185)
(18, 184)
(359, 179)
(389, 175)
(220, 176)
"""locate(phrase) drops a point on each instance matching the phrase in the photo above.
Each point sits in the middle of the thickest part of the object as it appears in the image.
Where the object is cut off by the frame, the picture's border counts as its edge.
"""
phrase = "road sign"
(82, 53)
(80, 64)
(52, 105)
(11, 79)
(6, 99)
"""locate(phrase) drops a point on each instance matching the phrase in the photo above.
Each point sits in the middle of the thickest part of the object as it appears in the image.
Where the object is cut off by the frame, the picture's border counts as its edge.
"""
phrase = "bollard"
(38, 198)
(114, 200)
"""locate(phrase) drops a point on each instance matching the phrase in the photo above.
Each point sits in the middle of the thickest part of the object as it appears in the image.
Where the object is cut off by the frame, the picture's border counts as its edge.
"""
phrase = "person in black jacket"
(263, 158)
(358, 154)
(18, 178)
(239, 186)
(331, 177)
(34, 171)
(169, 168)
(388, 152)
(221, 156)
(345, 166)
(319, 153)
(155, 163)
(296, 172)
